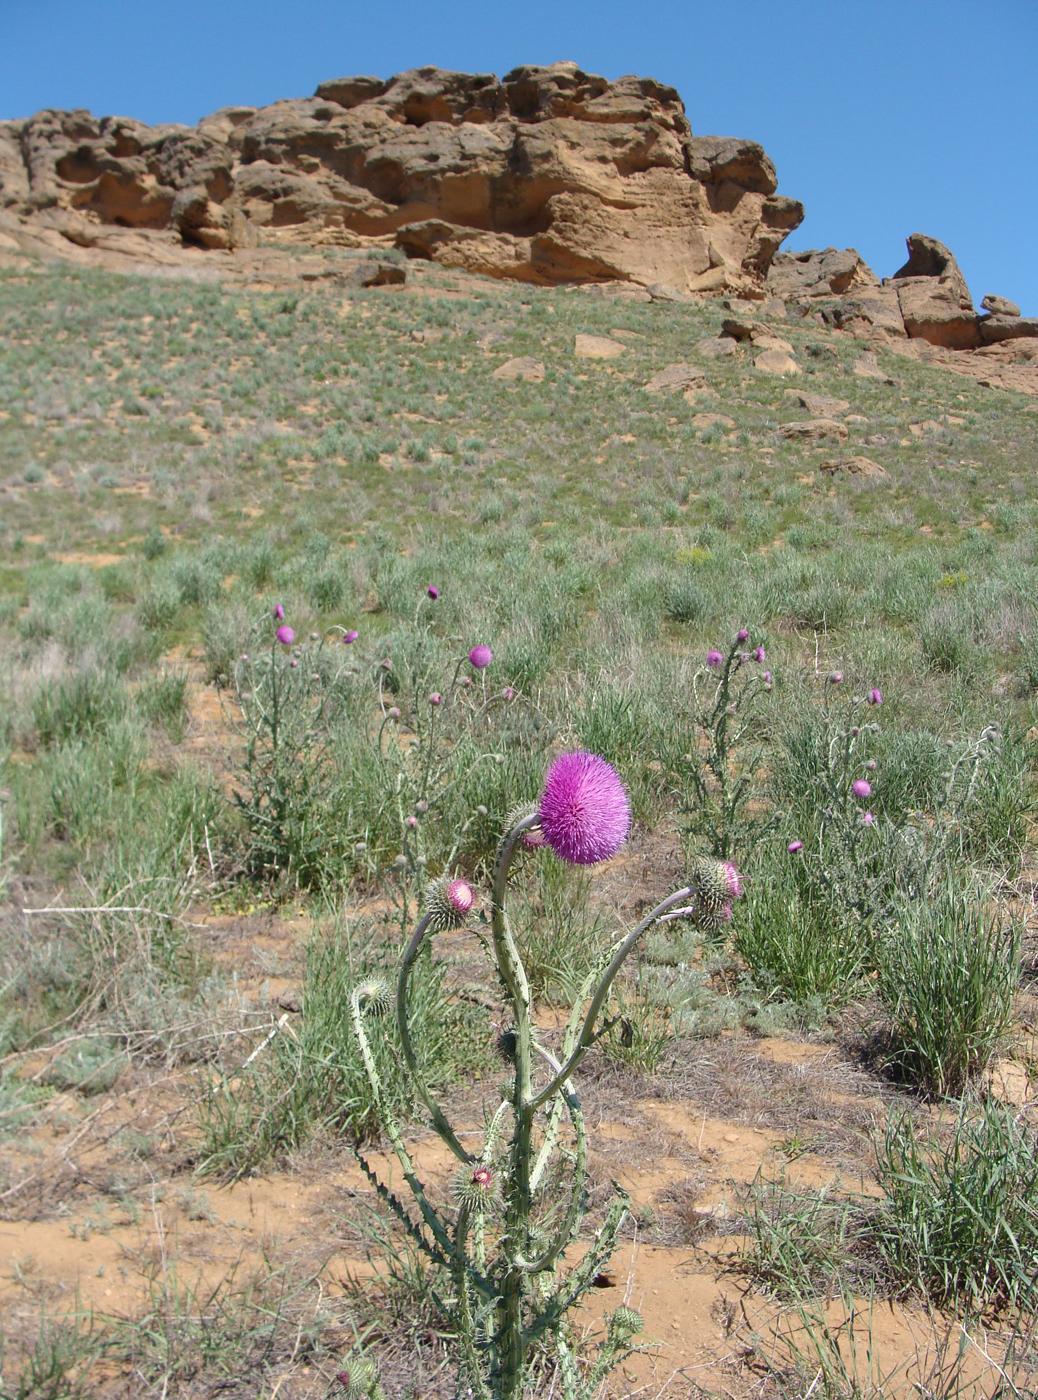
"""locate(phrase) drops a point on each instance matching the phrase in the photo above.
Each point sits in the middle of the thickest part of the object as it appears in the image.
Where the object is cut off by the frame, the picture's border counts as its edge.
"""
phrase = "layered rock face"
(548, 175)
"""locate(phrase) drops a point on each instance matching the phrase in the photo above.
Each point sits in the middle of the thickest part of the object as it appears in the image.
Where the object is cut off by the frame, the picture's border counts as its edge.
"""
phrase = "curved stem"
(439, 1120)
(587, 1033)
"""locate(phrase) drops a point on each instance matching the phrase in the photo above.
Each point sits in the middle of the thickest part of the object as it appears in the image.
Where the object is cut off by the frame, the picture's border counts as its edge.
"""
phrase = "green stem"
(439, 1120)
(511, 1344)
(587, 1034)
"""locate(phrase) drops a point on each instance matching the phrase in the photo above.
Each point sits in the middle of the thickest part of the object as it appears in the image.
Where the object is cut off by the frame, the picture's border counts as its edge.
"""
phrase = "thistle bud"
(625, 1323)
(373, 996)
(476, 1187)
(358, 1378)
(714, 883)
(448, 902)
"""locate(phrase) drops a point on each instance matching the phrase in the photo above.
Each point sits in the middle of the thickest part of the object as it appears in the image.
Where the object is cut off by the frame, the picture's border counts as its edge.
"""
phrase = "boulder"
(523, 367)
(935, 301)
(821, 405)
(819, 272)
(855, 466)
(1000, 306)
(547, 175)
(776, 362)
(994, 329)
(675, 379)
(814, 430)
(597, 347)
(716, 347)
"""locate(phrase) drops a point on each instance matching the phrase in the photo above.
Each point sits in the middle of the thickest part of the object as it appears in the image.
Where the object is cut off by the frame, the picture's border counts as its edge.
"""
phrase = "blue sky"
(883, 118)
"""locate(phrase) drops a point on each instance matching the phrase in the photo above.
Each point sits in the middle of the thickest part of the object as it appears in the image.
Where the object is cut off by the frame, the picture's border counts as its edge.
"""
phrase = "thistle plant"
(726, 712)
(285, 704)
(854, 859)
(520, 1196)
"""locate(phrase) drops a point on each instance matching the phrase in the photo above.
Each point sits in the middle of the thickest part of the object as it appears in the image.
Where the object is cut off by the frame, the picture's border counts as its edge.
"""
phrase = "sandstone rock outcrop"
(1000, 306)
(548, 175)
(818, 272)
(936, 305)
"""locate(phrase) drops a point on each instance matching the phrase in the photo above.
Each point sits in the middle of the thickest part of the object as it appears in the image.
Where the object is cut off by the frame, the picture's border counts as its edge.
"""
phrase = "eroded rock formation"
(547, 175)
(926, 300)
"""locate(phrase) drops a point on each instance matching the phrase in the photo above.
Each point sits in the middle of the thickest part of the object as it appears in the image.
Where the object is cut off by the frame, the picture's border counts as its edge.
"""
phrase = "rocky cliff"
(548, 175)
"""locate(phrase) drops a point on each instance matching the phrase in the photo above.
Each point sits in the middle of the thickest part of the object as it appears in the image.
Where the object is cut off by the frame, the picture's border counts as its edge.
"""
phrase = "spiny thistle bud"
(520, 814)
(359, 1377)
(625, 1323)
(476, 1187)
(448, 902)
(714, 883)
(373, 996)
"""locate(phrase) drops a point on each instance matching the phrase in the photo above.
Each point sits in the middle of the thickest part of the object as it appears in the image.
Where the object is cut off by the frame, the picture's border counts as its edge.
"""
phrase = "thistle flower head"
(759, 654)
(868, 818)
(742, 635)
(476, 1187)
(358, 1378)
(279, 613)
(432, 592)
(861, 787)
(448, 902)
(481, 656)
(285, 636)
(373, 996)
(436, 698)
(714, 659)
(625, 1323)
(875, 696)
(584, 813)
(835, 678)
(714, 884)
(794, 847)
(350, 637)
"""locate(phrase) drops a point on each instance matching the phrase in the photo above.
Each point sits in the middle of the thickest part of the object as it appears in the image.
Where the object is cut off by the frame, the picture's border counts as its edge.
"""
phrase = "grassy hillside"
(224, 832)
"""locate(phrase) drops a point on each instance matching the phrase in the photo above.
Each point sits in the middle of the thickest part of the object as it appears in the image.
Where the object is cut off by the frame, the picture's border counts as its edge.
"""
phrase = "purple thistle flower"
(433, 592)
(871, 765)
(714, 659)
(861, 787)
(836, 678)
(742, 635)
(794, 847)
(435, 698)
(759, 654)
(733, 880)
(508, 693)
(279, 613)
(875, 696)
(411, 822)
(285, 636)
(867, 818)
(293, 663)
(481, 656)
(348, 638)
(460, 896)
(393, 712)
(584, 811)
